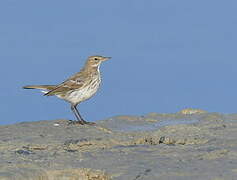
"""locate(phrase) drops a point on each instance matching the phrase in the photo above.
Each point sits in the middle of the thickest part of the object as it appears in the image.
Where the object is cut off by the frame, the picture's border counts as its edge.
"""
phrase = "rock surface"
(180, 146)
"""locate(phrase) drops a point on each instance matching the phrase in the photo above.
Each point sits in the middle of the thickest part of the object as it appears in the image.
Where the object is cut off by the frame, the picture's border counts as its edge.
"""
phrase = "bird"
(77, 88)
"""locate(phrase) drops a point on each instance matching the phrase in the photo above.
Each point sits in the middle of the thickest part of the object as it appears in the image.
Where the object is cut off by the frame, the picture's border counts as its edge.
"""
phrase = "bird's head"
(95, 61)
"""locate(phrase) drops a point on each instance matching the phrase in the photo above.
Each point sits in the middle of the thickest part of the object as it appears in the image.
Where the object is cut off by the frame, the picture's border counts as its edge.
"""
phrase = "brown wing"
(74, 82)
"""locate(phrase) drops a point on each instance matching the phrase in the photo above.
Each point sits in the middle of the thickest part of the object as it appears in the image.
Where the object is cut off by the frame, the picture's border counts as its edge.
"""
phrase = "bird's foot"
(88, 123)
(71, 122)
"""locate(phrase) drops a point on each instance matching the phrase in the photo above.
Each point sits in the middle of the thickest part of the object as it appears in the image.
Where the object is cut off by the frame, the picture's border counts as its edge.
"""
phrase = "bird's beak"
(106, 58)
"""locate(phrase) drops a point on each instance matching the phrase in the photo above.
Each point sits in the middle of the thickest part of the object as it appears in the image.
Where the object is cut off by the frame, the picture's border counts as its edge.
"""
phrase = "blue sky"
(167, 55)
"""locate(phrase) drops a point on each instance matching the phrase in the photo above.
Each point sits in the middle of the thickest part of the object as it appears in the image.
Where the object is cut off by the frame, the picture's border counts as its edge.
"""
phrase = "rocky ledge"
(191, 144)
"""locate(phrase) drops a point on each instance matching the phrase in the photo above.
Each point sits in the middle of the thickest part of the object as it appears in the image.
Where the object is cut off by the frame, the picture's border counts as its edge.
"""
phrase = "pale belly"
(77, 96)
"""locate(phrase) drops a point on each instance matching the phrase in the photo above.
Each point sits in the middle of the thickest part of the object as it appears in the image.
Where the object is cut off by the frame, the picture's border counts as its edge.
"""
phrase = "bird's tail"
(45, 88)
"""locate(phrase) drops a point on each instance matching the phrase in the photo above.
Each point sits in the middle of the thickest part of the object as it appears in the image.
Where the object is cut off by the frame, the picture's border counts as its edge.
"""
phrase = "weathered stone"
(156, 146)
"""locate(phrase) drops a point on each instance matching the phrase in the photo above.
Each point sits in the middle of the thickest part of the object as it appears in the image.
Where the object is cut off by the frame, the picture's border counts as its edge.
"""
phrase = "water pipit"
(79, 87)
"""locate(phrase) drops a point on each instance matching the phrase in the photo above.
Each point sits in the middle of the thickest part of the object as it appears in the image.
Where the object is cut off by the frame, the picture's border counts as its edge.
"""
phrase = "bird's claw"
(71, 122)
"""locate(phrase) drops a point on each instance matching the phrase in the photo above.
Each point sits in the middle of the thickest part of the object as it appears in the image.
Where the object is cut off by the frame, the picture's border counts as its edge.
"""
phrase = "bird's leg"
(83, 121)
(78, 116)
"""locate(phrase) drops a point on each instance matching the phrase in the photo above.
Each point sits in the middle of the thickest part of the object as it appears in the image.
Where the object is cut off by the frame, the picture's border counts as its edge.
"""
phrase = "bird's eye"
(96, 59)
